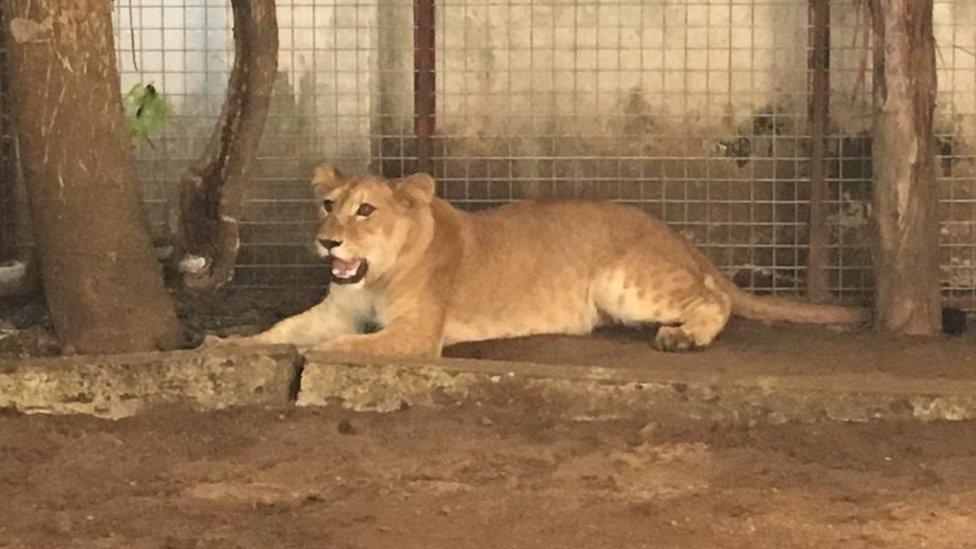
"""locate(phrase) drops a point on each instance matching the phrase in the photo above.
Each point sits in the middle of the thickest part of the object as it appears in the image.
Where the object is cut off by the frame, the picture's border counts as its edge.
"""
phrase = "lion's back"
(528, 267)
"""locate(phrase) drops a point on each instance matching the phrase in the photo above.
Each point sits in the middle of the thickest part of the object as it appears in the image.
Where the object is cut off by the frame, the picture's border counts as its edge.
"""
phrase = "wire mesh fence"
(955, 129)
(697, 111)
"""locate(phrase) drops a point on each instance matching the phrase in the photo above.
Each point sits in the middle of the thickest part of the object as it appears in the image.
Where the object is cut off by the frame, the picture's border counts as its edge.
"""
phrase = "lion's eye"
(365, 210)
(327, 206)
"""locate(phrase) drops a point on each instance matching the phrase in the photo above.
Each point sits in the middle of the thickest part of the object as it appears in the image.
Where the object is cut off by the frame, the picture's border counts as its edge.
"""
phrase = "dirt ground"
(479, 477)
(515, 475)
(750, 348)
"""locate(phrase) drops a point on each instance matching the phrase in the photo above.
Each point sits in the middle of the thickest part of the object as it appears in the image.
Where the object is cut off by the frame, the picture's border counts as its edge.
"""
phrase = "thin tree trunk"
(906, 197)
(211, 194)
(102, 282)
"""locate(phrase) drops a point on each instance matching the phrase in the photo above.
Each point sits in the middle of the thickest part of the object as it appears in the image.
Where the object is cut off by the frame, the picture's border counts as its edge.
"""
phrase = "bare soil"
(507, 475)
(750, 348)
(478, 476)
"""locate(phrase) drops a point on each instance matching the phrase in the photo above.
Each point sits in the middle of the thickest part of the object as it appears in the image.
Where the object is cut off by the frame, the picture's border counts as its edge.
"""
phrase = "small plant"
(146, 112)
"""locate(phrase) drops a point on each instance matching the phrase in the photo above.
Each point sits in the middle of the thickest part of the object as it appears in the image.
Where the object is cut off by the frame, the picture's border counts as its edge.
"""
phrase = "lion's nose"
(328, 243)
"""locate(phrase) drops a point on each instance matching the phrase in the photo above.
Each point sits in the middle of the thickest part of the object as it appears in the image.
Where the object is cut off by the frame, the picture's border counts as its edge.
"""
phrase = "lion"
(429, 275)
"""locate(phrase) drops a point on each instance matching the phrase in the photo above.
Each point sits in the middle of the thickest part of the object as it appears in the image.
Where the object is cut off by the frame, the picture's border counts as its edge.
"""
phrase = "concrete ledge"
(115, 386)
(601, 392)
(122, 385)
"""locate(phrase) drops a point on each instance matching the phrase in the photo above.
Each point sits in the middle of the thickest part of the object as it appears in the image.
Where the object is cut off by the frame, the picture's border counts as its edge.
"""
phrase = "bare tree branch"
(211, 194)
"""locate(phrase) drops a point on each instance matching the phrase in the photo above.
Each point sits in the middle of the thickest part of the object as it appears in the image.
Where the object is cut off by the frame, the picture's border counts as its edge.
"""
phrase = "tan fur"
(438, 275)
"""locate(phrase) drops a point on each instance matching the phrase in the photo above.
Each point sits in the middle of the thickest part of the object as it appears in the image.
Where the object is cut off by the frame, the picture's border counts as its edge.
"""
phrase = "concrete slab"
(600, 392)
(750, 349)
(115, 386)
(753, 374)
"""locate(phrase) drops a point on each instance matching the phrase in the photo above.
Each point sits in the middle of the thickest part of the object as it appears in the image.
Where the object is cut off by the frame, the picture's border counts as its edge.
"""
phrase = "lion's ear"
(417, 189)
(324, 179)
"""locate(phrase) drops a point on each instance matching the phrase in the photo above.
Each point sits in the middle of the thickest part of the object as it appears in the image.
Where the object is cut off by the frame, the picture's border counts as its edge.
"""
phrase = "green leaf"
(146, 111)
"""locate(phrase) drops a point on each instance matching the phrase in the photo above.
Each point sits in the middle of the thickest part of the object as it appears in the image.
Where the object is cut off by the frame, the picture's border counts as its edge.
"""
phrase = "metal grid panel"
(694, 110)
(333, 82)
(955, 129)
(848, 150)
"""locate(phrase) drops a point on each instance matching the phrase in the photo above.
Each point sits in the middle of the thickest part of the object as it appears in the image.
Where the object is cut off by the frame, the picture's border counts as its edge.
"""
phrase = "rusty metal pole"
(8, 174)
(819, 114)
(424, 83)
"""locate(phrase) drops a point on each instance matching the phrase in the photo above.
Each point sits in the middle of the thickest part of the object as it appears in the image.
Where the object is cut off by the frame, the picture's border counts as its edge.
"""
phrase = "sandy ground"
(479, 477)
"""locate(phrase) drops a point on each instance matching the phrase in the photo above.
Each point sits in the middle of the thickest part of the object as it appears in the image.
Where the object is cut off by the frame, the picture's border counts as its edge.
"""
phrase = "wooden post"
(906, 198)
(424, 84)
(819, 64)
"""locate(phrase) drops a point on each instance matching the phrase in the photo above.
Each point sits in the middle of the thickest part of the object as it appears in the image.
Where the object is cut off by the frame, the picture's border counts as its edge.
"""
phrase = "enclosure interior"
(696, 111)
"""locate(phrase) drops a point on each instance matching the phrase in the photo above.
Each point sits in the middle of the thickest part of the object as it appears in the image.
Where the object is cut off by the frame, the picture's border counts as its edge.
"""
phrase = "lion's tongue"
(342, 265)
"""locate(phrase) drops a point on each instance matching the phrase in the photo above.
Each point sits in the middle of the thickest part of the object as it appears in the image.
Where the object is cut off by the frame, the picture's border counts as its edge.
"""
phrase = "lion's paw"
(217, 341)
(673, 339)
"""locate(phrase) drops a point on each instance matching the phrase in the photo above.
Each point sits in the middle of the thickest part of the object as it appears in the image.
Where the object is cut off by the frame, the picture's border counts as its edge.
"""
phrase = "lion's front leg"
(336, 316)
(396, 340)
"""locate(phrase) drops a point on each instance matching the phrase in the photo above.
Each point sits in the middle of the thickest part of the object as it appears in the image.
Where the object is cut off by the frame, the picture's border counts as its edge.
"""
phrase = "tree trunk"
(906, 197)
(102, 282)
(211, 194)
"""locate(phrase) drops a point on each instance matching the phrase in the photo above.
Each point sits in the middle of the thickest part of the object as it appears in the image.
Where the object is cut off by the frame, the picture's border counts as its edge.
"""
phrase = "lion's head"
(367, 220)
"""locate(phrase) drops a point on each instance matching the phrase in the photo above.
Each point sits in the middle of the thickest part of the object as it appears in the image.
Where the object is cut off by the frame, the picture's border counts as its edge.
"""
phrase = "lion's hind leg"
(703, 316)
(691, 309)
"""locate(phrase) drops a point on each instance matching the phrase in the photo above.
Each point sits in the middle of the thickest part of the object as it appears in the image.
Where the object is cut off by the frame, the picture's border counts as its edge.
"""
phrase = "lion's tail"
(771, 308)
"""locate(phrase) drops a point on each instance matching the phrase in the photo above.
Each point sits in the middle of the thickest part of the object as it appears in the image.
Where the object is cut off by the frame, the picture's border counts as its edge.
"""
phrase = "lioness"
(431, 275)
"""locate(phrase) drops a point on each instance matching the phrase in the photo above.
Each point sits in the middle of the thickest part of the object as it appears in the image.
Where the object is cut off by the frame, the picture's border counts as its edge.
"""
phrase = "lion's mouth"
(348, 271)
